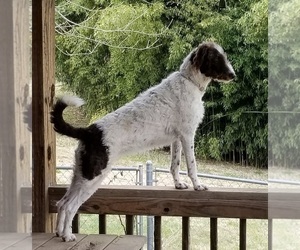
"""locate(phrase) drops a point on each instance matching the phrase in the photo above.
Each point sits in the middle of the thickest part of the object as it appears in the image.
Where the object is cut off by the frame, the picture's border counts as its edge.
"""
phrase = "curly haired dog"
(166, 114)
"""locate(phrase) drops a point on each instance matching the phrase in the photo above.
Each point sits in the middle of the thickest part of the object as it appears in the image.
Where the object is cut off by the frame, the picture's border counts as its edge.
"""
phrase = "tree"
(284, 74)
(235, 124)
(109, 51)
(99, 56)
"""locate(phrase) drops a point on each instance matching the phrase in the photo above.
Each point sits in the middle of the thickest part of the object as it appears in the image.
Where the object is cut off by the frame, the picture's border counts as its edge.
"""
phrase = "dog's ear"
(208, 60)
(199, 56)
(202, 56)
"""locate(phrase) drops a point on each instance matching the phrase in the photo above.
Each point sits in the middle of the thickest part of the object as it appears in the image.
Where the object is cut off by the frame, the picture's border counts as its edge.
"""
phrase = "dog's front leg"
(188, 147)
(175, 163)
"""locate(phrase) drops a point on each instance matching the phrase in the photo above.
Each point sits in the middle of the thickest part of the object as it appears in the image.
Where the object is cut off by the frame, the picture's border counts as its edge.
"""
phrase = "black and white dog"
(166, 114)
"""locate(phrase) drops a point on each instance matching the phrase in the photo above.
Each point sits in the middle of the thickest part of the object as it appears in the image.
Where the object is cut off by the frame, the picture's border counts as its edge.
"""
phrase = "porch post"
(14, 98)
(43, 86)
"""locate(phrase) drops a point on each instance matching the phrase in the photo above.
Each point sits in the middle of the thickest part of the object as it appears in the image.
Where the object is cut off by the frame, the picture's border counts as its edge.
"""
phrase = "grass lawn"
(228, 231)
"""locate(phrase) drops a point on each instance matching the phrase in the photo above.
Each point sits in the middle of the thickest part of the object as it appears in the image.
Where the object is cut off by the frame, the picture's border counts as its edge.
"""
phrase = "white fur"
(72, 100)
(166, 114)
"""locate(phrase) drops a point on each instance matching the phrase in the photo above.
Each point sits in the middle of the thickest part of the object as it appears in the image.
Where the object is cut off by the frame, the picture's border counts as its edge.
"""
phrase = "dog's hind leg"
(188, 148)
(175, 164)
(61, 214)
(80, 190)
(60, 220)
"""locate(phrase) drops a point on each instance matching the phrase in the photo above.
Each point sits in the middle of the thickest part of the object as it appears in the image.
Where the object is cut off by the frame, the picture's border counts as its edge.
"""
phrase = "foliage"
(133, 44)
(236, 113)
(118, 37)
(284, 74)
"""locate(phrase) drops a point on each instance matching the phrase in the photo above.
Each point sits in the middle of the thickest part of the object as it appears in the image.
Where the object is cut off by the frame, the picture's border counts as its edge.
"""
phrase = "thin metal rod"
(270, 234)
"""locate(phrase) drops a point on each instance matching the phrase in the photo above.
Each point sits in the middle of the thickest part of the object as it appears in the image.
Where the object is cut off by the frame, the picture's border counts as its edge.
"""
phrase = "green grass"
(286, 234)
(228, 231)
(161, 159)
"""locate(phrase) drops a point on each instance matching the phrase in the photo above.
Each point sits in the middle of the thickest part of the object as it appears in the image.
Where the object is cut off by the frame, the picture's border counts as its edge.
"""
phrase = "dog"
(166, 114)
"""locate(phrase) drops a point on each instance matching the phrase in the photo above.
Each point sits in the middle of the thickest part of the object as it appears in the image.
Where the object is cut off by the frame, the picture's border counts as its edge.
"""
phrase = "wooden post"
(243, 234)
(102, 224)
(157, 233)
(185, 233)
(129, 224)
(43, 136)
(75, 224)
(14, 98)
(213, 233)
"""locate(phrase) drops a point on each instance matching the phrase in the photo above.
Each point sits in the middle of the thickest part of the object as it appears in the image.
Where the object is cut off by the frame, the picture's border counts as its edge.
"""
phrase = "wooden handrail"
(167, 201)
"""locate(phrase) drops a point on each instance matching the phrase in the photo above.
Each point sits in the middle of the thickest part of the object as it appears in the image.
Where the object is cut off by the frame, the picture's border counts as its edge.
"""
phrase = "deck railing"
(167, 201)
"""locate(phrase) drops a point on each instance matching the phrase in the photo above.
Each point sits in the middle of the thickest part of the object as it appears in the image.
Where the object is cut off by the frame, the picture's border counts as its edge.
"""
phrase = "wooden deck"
(11, 241)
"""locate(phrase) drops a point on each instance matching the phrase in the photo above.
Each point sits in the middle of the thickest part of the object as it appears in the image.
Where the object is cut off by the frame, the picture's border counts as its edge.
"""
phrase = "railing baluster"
(102, 223)
(270, 234)
(185, 233)
(75, 224)
(243, 232)
(213, 233)
(129, 224)
(157, 232)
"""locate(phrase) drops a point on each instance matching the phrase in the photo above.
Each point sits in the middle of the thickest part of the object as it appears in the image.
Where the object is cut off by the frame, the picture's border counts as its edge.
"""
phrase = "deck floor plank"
(95, 242)
(48, 241)
(127, 242)
(10, 239)
(39, 239)
(56, 243)
(23, 244)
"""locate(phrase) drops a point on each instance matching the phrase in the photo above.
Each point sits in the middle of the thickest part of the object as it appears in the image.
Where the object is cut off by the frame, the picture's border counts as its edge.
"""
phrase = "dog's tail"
(58, 121)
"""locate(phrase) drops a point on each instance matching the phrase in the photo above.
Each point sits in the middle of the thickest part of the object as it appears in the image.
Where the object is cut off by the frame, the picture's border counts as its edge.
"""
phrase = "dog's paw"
(59, 232)
(181, 185)
(200, 187)
(69, 237)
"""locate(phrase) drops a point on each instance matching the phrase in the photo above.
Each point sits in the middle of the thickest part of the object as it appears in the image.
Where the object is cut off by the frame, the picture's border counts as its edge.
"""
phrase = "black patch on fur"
(94, 155)
(211, 62)
(60, 126)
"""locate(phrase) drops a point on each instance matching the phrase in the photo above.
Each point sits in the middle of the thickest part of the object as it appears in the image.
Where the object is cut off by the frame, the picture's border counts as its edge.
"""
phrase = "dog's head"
(212, 62)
